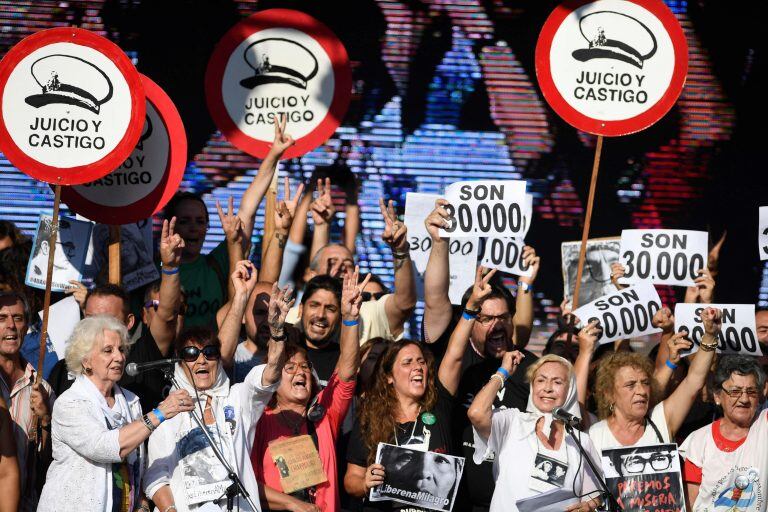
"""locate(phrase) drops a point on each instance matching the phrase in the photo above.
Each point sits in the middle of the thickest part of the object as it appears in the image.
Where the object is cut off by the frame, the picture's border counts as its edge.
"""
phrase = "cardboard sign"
(298, 463)
(506, 254)
(645, 478)
(486, 208)
(738, 334)
(596, 277)
(663, 256)
(278, 61)
(148, 178)
(69, 258)
(71, 108)
(611, 67)
(623, 314)
(419, 478)
(762, 233)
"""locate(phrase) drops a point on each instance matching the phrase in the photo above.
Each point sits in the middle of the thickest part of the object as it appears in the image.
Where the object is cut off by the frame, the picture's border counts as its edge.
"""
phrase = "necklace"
(295, 427)
(413, 430)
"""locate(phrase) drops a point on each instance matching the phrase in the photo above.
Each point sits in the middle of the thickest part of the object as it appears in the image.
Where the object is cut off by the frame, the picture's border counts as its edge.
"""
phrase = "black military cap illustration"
(613, 35)
(279, 61)
(69, 80)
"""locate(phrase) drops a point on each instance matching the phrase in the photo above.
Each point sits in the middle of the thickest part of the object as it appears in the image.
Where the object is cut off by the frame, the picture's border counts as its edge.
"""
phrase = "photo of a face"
(644, 460)
(549, 470)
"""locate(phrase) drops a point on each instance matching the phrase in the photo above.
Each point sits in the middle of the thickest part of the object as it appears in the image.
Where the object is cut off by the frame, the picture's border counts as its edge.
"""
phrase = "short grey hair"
(87, 334)
(740, 365)
(314, 264)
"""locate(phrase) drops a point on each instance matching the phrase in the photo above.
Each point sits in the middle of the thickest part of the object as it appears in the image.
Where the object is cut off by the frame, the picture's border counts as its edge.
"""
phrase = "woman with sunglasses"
(300, 412)
(183, 472)
(726, 466)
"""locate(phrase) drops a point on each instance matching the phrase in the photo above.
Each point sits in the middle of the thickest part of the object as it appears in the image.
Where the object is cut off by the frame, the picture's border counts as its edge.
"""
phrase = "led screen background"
(445, 90)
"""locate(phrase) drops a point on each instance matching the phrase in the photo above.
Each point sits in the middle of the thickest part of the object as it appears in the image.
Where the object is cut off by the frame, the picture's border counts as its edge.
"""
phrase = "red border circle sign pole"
(148, 178)
(611, 67)
(278, 61)
(71, 106)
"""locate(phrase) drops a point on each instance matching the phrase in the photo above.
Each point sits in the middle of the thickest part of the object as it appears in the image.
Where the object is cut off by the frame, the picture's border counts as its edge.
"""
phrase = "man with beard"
(319, 322)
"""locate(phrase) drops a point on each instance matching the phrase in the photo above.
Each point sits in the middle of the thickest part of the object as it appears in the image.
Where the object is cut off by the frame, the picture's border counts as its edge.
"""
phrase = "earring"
(610, 408)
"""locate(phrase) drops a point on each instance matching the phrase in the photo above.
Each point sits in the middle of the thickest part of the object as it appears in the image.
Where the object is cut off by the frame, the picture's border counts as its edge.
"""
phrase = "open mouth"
(496, 340)
(202, 371)
(10, 337)
(418, 379)
(300, 383)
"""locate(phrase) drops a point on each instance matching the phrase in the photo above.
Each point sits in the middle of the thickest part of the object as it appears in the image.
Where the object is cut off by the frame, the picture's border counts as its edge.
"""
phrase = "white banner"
(663, 256)
(762, 234)
(486, 208)
(506, 254)
(623, 314)
(738, 334)
(417, 208)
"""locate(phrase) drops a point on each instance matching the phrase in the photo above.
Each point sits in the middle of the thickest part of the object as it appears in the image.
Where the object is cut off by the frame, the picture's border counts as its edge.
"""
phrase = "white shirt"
(720, 470)
(516, 446)
(603, 438)
(248, 400)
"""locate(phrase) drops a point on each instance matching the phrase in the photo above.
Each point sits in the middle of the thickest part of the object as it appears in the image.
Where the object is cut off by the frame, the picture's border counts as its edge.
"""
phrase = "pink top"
(336, 398)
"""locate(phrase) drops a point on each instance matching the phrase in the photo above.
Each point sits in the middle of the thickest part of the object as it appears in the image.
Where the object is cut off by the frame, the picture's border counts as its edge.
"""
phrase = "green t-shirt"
(203, 287)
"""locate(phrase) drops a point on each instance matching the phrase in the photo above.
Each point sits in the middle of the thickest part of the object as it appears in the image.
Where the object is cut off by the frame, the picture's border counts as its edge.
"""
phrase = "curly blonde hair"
(606, 379)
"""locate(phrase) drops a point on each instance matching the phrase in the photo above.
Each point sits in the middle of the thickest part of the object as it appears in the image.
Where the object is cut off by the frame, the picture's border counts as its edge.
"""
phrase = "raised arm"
(674, 345)
(255, 192)
(703, 291)
(349, 341)
(351, 218)
(322, 210)
(400, 305)
(234, 237)
(437, 304)
(617, 272)
(280, 303)
(523, 320)
(664, 319)
(587, 338)
(285, 211)
(481, 411)
(163, 324)
(244, 280)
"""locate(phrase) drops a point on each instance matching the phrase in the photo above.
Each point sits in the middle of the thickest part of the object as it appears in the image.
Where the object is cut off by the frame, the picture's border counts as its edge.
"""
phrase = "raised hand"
(79, 291)
(244, 277)
(511, 360)
(530, 261)
(230, 223)
(395, 232)
(437, 219)
(286, 209)
(352, 294)
(481, 289)
(588, 336)
(703, 291)
(171, 246)
(678, 343)
(280, 303)
(322, 207)
(664, 319)
(617, 272)
(713, 321)
(282, 140)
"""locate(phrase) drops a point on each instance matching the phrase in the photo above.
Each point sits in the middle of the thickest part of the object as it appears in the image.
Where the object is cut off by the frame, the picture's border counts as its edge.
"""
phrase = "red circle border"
(624, 126)
(272, 18)
(82, 173)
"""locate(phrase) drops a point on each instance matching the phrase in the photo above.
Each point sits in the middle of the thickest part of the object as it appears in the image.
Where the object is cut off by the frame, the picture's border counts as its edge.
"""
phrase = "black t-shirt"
(440, 440)
(150, 386)
(324, 360)
(477, 484)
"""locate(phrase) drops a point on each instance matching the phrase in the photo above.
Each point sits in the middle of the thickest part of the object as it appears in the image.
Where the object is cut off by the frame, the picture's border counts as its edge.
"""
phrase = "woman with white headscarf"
(532, 452)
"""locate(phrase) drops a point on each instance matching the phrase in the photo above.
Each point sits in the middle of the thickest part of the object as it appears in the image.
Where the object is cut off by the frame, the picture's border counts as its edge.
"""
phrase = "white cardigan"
(84, 449)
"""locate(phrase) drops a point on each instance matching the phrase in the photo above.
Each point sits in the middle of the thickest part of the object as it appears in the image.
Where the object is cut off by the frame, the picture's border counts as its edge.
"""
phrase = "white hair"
(87, 334)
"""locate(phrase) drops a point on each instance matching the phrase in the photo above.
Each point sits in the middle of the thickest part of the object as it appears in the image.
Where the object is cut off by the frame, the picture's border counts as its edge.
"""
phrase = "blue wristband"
(158, 414)
(504, 372)
(169, 272)
(671, 365)
(467, 316)
(350, 323)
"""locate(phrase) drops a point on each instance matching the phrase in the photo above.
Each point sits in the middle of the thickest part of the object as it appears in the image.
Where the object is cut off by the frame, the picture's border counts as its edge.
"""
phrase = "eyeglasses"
(191, 353)
(635, 463)
(154, 304)
(737, 392)
(294, 367)
(487, 319)
(368, 295)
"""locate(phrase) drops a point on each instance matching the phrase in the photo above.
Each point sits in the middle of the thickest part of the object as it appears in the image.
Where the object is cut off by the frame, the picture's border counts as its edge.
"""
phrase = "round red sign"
(611, 67)
(71, 106)
(148, 178)
(278, 62)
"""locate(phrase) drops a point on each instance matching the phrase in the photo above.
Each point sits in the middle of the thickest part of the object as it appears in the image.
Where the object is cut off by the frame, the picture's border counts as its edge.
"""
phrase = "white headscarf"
(570, 405)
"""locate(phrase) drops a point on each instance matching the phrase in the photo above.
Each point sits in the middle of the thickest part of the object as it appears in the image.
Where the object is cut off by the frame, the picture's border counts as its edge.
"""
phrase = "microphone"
(133, 369)
(569, 419)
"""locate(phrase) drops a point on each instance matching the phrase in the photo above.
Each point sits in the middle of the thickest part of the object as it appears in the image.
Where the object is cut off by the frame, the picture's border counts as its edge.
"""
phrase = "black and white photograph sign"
(611, 67)
(623, 314)
(486, 208)
(738, 334)
(663, 256)
(424, 479)
(69, 255)
(762, 234)
(596, 275)
(278, 62)
(506, 254)
(72, 106)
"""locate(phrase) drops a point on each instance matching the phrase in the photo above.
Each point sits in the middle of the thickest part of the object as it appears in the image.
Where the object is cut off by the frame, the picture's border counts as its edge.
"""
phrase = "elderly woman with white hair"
(531, 453)
(97, 428)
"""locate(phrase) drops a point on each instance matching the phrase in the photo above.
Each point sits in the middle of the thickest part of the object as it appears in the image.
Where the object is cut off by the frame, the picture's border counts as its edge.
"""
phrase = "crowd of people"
(303, 380)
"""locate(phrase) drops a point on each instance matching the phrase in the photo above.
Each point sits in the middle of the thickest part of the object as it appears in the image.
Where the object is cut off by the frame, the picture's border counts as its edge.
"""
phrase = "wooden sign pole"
(587, 220)
(269, 213)
(114, 255)
(48, 282)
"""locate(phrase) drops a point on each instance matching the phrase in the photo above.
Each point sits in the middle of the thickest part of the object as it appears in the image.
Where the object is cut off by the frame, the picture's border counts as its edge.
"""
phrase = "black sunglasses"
(190, 353)
(368, 295)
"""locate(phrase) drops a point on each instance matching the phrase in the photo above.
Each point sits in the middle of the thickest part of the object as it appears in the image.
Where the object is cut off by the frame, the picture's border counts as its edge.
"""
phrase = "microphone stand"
(237, 486)
(608, 499)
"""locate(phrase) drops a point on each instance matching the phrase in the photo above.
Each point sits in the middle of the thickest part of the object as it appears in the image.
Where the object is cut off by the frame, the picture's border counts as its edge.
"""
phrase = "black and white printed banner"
(486, 208)
(663, 256)
(506, 254)
(762, 234)
(738, 334)
(623, 314)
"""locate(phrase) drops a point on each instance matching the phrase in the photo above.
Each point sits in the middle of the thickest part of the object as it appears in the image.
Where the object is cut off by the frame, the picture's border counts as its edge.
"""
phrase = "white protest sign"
(69, 255)
(737, 334)
(485, 208)
(623, 314)
(527, 214)
(462, 261)
(506, 254)
(663, 256)
(418, 206)
(762, 234)
(65, 315)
